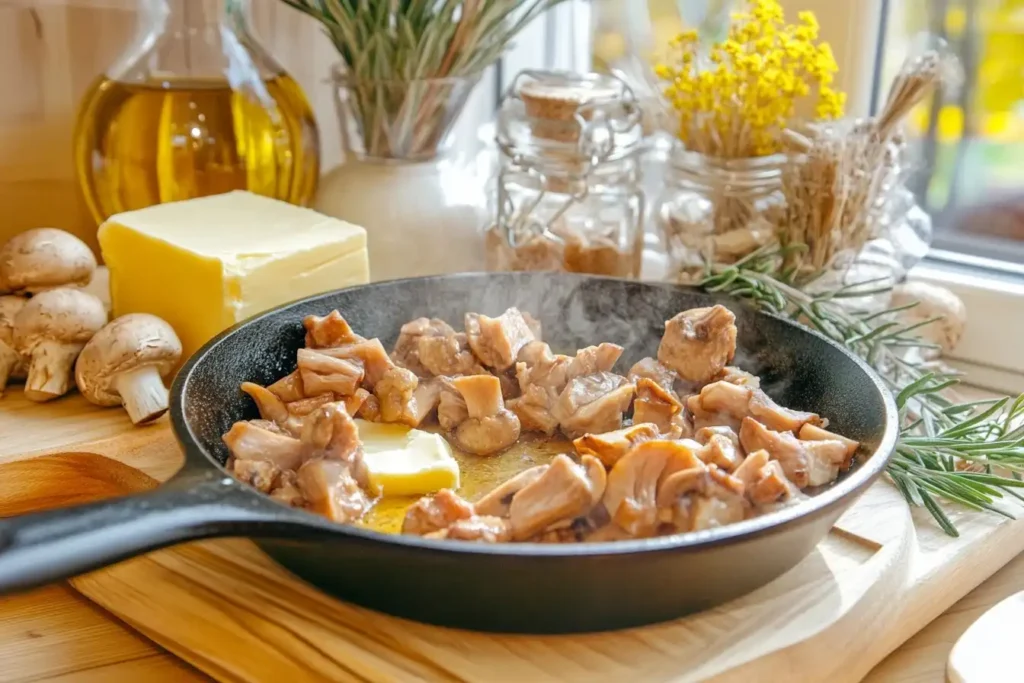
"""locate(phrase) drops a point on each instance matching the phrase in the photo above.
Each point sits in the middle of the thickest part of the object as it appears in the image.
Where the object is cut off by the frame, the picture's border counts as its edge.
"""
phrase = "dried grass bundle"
(836, 189)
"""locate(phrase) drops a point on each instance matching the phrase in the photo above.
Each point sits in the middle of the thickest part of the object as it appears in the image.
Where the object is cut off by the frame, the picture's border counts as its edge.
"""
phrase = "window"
(971, 140)
(967, 144)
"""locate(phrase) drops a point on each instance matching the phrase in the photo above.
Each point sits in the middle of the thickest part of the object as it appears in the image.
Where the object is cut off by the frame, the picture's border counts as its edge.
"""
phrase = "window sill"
(995, 318)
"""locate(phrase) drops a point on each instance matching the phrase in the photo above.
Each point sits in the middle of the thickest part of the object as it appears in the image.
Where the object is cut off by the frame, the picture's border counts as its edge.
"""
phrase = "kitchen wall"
(51, 50)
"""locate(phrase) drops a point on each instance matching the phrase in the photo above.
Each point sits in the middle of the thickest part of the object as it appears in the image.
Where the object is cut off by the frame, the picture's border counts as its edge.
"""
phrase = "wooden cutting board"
(227, 609)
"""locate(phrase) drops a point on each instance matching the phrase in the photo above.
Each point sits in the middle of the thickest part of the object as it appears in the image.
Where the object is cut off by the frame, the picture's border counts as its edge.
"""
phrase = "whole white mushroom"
(932, 301)
(125, 363)
(45, 258)
(50, 331)
(12, 365)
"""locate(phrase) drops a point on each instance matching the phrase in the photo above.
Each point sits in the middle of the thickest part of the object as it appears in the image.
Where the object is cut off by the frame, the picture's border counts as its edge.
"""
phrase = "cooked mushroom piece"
(51, 330)
(631, 497)
(805, 463)
(45, 258)
(730, 402)
(563, 492)
(656, 405)
(699, 343)
(250, 441)
(407, 349)
(593, 359)
(496, 502)
(594, 404)
(289, 388)
(11, 364)
(370, 353)
(609, 447)
(331, 490)
(496, 341)
(321, 374)
(489, 427)
(810, 432)
(434, 513)
(328, 331)
(331, 433)
(651, 369)
(482, 529)
(720, 450)
(259, 474)
(271, 407)
(125, 363)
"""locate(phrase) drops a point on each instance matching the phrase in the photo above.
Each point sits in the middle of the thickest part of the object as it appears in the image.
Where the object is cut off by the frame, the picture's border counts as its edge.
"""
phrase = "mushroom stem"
(49, 370)
(143, 392)
(9, 360)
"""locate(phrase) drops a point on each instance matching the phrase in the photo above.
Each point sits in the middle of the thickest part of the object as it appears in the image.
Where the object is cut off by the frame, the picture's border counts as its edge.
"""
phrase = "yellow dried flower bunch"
(735, 100)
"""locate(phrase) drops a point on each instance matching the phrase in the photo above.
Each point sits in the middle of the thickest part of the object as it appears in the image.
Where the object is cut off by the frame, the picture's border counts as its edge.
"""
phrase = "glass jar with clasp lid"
(567, 193)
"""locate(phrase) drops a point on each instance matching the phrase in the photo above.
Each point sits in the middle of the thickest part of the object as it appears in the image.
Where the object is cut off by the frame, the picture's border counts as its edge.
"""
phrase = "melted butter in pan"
(478, 474)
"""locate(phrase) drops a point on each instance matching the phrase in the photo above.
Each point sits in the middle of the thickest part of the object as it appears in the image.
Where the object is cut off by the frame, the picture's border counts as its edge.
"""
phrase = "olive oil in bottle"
(147, 143)
(194, 107)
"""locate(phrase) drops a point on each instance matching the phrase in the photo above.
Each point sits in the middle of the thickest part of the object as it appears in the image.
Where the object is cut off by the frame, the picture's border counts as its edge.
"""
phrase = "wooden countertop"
(53, 634)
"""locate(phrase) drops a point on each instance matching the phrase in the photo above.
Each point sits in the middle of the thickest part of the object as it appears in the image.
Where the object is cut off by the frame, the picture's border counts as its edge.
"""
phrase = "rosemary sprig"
(967, 453)
(409, 65)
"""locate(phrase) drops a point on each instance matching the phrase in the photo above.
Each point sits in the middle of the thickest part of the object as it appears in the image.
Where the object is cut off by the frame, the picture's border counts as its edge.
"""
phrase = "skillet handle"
(39, 548)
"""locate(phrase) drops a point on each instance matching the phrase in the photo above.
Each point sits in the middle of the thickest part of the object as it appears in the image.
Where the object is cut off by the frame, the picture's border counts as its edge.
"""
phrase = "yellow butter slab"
(406, 462)
(205, 264)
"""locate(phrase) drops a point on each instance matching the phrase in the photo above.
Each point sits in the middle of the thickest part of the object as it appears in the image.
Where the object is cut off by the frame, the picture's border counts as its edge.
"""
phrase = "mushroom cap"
(932, 300)
(64, 315)
(9, 307)
(44, 258)
(126, 343)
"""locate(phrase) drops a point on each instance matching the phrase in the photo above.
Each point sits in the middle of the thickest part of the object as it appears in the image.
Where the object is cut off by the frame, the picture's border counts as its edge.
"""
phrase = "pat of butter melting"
(402, 461)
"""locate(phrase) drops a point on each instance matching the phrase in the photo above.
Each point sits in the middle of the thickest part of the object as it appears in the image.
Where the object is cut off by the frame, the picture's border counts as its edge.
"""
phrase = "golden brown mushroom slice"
(269, 404)
(720, 450)
(370, 353)
(289, 388)
(593, 359)
(11, 362)
(805, 463)
(331, 490)
(724, 401)
(322, 374)
(45, 258)
(661, 408)
(699, 343)
(631, 496)
(407, 347)
(50, 331)
(563, 492)
(609, 447)
(650, 368)
(496, 502)
(496, 341)
(329, 432)
(810, 432)
(594, 404)
(436, 512)
(251, 441)
(327, 331)
(489, 427)
(481, 529)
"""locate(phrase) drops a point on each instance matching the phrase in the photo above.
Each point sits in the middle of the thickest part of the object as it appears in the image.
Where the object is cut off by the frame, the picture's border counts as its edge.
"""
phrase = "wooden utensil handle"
(39, 548)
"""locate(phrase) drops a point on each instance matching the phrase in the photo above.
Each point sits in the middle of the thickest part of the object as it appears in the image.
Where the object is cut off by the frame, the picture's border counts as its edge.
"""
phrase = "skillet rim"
(775, 522)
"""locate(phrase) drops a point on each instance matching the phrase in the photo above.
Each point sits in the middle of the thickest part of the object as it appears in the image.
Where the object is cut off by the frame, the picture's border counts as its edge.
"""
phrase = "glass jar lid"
(565, 116)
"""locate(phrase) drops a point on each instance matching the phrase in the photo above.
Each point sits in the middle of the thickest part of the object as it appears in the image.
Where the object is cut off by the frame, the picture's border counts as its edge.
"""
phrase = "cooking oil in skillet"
(478, 474)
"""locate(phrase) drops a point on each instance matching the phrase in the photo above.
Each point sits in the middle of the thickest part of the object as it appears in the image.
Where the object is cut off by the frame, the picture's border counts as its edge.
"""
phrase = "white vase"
(423, 208)
(421, 218)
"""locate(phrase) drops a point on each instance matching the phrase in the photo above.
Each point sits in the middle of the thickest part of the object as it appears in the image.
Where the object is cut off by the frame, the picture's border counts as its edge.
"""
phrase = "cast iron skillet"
(506, 587)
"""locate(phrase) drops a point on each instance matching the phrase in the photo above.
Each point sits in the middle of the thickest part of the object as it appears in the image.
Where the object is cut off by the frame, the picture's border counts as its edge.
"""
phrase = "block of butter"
(401, 461)
(204, 264)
